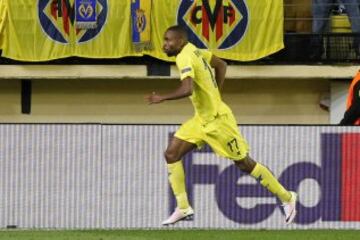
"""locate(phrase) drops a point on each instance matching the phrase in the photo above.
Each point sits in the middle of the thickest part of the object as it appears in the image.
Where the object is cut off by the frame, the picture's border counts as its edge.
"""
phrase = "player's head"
(175, 39)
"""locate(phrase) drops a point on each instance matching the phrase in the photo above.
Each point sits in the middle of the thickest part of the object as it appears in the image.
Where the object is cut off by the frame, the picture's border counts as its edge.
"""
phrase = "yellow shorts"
(221, 134)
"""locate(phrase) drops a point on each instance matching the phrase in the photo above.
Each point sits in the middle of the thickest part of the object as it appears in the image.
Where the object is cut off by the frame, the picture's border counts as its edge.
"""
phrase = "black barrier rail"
(307, 48)
(300, 48)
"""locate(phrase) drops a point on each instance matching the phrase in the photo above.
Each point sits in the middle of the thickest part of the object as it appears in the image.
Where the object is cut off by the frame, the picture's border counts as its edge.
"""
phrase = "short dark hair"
(180, 30)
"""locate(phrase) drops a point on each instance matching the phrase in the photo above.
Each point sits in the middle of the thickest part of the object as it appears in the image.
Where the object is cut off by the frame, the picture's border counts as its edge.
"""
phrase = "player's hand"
(154, 98)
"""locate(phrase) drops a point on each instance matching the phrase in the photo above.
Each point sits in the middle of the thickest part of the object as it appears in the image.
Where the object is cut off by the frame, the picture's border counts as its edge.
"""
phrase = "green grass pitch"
(180, 234)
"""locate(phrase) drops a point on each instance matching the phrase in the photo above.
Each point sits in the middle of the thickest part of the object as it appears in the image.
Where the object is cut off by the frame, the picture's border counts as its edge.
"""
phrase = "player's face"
(172, 43)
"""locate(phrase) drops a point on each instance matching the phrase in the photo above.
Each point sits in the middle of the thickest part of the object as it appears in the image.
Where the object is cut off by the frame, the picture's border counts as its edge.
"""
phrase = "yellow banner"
(2, 21)
(40, 30)
(232, 29)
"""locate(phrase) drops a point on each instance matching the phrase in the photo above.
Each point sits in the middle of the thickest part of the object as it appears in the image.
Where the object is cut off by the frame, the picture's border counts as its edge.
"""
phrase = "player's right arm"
(218, 65)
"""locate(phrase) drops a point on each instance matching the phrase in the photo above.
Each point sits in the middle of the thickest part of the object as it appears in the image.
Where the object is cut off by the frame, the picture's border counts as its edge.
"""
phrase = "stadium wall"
(254, 101)
(338, 95)
(84, 176)
(287, 94)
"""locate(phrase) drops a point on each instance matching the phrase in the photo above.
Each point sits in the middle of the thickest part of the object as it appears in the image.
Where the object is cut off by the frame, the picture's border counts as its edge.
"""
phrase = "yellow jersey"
(206, 99)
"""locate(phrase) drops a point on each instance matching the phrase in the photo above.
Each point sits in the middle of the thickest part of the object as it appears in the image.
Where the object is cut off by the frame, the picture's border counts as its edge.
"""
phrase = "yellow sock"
(267, 179)
(177, 183)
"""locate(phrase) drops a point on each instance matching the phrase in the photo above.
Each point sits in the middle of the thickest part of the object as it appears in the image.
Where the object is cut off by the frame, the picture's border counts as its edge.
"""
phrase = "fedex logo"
(337, 178)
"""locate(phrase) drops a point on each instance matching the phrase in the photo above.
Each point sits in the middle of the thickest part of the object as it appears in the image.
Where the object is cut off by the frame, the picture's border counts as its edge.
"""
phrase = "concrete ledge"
(286, 72)
(294, 72)
(140, 72)
(72, 71)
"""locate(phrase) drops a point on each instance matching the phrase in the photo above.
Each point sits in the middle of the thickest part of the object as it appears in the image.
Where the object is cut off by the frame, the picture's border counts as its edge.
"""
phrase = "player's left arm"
(353, 113)
(184, 90)
(220, 70)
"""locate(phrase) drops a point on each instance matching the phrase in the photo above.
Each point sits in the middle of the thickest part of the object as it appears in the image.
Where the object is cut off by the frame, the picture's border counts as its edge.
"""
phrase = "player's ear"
(181, 41)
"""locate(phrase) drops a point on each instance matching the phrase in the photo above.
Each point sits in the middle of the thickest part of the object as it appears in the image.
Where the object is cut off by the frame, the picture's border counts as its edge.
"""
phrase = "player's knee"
(246, 164)
(171, 156)
(241, 165)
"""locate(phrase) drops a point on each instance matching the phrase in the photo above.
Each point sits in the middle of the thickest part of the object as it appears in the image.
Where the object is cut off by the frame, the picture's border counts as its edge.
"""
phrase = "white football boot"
(290, 208)
(179, 215)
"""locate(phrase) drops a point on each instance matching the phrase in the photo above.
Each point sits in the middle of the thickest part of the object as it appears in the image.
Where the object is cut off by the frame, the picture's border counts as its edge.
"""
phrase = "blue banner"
(140, 16)
(86, 14)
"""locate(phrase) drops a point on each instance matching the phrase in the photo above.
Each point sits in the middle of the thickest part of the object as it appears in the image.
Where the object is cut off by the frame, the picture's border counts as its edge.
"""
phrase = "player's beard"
(172, 52)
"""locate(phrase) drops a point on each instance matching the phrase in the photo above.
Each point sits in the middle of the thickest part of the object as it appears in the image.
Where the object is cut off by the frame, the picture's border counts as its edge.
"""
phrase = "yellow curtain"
(45, 31)
(2, 21)
(235, 29)
(238, 29)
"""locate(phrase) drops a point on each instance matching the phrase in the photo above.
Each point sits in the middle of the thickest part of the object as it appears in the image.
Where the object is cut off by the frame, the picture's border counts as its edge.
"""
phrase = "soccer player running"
(213, 123)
